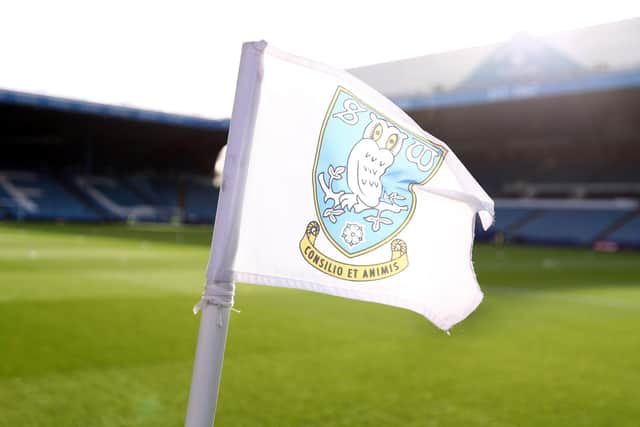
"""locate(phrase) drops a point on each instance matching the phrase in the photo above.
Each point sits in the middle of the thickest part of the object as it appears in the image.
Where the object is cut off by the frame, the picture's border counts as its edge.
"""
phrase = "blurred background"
(548, 124)
(112, 118)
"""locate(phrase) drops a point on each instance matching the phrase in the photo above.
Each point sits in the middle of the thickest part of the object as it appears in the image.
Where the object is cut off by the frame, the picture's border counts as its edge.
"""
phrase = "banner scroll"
(352, 272)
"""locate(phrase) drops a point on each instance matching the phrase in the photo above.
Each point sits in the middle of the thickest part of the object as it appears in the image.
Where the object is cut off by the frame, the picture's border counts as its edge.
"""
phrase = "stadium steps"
(146, 198)
(507, 221)
(68, 184)
(5, 213)
(577, 226)
(512, 228)
(628, 235)
(200, 200)
(622, 222)
(153, 191)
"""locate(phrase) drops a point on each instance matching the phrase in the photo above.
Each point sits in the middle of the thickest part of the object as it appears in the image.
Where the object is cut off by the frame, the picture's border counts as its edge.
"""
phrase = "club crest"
(364, 171)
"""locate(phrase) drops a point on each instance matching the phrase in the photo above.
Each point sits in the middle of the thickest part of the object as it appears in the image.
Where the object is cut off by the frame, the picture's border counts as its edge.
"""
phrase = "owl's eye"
(392, 141)
(377, 132)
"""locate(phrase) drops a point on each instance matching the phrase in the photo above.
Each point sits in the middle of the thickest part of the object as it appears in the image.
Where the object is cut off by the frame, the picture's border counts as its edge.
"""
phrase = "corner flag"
(329, 187)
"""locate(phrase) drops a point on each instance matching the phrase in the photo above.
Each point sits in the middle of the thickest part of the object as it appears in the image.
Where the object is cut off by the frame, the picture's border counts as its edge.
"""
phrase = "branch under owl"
(335, 174)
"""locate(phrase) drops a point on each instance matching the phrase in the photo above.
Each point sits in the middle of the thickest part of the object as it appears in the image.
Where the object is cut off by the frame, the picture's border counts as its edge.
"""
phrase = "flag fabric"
(330, 187)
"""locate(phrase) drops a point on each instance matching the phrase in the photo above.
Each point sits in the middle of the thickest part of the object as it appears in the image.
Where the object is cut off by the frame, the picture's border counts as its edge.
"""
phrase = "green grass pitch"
(96, 329)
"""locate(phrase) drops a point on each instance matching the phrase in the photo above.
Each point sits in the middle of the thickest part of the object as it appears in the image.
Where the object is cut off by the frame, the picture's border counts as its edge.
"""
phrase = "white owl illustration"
(368, 161)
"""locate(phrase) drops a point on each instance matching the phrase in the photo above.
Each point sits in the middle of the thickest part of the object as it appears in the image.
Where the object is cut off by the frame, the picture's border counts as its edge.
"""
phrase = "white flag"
(329, 187)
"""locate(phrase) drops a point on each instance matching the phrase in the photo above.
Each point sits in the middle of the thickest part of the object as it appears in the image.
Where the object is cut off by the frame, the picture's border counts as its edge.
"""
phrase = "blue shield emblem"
(364, 171)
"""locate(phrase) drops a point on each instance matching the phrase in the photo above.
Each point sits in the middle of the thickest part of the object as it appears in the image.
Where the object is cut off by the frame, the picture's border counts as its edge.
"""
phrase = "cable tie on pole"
(219, 294)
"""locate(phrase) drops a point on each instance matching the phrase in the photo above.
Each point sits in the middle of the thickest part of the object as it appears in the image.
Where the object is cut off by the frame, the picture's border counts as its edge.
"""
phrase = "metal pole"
(207, 368)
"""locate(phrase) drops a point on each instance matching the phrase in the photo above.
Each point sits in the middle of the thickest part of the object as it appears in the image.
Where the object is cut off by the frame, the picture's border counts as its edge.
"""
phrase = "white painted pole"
(217, 300)
(207, 369)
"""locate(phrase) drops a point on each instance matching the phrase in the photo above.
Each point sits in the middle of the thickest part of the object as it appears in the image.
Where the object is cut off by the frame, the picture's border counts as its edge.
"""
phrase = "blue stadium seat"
(159, 191)
(628, 235)
(201, 200)
(568, 226)
(6, 201)
(167, 191)
(506, 217)
(37, 196)
(58, 203)
(118, 193)
(117, 200)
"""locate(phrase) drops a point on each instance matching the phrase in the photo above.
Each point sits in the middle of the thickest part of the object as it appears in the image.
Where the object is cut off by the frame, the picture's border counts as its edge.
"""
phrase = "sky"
(182, 56)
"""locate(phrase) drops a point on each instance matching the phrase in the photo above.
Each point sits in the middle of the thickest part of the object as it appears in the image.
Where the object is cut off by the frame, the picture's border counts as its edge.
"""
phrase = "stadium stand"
(565, 221)
(547, 125)
(28, 195)
(551, 117)
(568, 226)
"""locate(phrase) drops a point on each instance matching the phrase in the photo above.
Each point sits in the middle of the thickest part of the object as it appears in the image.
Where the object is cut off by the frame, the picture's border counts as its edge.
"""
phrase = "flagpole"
(217, 299)
(207, 370)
